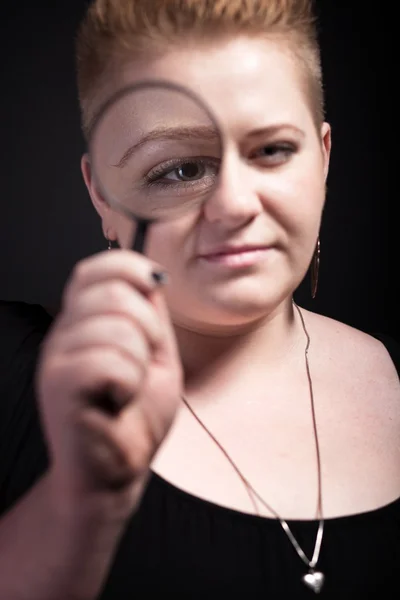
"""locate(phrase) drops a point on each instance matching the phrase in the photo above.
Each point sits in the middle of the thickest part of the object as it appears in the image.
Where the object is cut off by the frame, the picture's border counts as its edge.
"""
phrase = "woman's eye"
(190, 171)
(275, 153)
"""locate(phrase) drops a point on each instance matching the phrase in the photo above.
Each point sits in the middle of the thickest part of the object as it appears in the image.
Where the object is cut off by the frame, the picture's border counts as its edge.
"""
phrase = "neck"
(261, 344)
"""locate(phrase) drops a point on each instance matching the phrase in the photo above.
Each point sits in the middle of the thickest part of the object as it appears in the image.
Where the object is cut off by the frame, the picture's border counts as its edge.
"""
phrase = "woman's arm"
(50, 546)
(52, 549)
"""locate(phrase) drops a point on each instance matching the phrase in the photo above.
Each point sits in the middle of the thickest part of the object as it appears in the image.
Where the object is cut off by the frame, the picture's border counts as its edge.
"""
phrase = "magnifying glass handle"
(104, 401)
(140, 235)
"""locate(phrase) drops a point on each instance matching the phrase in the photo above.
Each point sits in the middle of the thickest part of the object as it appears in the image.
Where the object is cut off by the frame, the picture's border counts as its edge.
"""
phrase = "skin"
(230, 340)
(237, 329)
(276, 200)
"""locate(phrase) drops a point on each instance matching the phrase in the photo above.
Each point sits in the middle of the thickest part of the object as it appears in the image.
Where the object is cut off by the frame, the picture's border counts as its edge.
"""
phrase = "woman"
(255, 450)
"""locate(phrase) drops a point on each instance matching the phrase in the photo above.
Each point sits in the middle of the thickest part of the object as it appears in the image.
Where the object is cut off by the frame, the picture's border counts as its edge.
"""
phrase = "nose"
(234, 201)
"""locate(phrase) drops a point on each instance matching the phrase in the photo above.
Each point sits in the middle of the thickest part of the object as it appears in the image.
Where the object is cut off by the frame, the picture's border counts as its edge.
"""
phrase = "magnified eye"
(183, 171)
(189, 171)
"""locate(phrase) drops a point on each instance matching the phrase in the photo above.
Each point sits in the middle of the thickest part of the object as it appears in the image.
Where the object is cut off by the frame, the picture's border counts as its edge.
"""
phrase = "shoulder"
(23, 455)
(15, 312)
(19, 318)
(373, 358)
(23, 327)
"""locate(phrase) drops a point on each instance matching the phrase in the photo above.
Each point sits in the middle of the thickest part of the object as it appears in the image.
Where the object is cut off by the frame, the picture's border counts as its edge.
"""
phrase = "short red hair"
(114, 30)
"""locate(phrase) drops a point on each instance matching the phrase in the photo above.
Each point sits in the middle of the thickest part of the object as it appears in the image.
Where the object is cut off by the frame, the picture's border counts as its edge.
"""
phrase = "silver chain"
(311, 564)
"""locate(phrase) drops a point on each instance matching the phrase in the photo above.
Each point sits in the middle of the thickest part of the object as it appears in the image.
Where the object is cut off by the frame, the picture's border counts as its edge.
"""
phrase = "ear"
(101, 206)
(326, 141)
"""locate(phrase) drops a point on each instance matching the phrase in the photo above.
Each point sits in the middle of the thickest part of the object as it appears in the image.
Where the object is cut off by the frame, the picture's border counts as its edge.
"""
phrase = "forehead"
(243, 80)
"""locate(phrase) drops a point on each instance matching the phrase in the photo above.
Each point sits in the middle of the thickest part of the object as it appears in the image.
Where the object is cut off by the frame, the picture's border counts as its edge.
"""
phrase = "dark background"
(47, 221)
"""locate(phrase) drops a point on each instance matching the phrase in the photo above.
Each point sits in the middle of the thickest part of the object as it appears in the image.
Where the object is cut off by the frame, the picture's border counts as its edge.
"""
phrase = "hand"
(109, 379)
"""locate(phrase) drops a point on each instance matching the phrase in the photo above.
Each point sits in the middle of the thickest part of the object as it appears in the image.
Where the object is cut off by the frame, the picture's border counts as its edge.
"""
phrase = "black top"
(180, 546)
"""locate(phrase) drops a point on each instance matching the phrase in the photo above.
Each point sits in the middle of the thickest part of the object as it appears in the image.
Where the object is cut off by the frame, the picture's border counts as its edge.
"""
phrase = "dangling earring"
(110, 244)
(315, 269)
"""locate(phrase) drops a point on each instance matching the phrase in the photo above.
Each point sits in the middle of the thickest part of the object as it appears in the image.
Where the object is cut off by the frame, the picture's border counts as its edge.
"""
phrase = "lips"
(231, 250)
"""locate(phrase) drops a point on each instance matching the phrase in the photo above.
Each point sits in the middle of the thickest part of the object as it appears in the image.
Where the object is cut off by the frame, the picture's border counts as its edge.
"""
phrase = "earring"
(109, 241)
(315, 269)
(110, 245)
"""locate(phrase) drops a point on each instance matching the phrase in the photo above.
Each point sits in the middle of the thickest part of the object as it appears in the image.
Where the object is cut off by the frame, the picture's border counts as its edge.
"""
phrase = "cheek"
(165, 243)
(294, 200)
(162, 243)
(300, 198)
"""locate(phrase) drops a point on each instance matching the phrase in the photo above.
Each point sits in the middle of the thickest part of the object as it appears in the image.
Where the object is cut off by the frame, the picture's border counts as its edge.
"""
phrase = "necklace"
(313, 579)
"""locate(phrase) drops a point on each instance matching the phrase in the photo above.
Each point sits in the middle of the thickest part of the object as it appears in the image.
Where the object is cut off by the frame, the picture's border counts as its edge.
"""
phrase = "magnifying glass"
(155, 150)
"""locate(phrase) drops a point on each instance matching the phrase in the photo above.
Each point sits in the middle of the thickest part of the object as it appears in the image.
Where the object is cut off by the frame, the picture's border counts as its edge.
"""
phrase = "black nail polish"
(159, 277)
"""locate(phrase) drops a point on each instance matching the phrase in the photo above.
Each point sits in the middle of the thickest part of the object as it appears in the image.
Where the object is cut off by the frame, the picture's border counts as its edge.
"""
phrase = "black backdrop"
(47, 221)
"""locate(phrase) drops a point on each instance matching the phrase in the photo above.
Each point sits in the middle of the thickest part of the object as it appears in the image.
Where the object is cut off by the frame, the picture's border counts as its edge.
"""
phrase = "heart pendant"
(314, 580)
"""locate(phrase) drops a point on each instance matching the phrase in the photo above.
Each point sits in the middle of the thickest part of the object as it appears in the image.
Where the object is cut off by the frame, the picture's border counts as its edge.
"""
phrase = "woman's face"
(271, 193)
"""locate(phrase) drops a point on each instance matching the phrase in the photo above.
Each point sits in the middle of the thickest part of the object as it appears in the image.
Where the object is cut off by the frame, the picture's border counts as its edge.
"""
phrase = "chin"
(235, 310)
(237, 301)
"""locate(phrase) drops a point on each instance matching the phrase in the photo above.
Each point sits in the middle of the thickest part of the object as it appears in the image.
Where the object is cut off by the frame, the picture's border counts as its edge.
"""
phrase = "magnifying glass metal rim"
(142, 223)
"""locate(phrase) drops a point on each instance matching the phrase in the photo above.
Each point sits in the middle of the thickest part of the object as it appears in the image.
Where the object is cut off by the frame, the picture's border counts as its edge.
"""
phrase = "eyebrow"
(170, 133)
(278, 128)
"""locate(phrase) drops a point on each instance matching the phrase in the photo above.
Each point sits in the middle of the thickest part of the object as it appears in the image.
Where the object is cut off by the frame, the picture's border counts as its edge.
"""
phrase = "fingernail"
(159, 278)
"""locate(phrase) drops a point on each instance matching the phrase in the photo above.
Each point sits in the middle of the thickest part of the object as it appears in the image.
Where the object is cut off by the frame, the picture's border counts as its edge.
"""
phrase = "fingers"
(136, 270)
(116, 299)
(90, 374)
(109, 464)
(113, 328)
(109, 378)
(108, 331)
